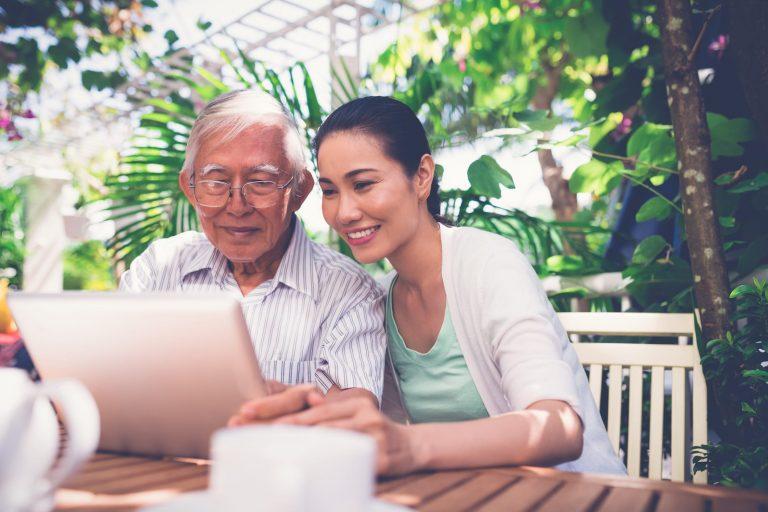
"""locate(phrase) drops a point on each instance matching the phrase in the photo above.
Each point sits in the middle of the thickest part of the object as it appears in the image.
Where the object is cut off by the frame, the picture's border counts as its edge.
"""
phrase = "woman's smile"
(361, 236)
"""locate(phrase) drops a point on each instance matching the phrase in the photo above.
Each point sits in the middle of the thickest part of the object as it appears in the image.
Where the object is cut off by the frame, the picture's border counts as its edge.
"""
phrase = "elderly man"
(314, 315)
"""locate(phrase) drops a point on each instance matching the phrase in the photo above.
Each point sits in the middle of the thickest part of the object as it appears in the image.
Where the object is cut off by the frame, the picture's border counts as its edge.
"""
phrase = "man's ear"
(422, 180)
(298, 196)
(184, 186)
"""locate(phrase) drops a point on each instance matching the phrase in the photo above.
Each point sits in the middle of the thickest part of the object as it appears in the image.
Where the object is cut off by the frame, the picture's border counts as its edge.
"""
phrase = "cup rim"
(290, 432)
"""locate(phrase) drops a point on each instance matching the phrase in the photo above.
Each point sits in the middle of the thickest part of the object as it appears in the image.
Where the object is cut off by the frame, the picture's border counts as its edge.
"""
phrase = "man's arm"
(353, 351)
(353, 354)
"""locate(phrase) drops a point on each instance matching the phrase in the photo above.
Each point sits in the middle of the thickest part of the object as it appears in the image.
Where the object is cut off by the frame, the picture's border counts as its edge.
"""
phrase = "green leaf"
(745, 407)
(64, 51)
(750, 185)
(149, 3)
(596, 177)
(724, 179)
(728, 135)
(755, 253)
(652, 144)
(538, 120)
(203, 24)
(654, 208)
(486, 176)
(99, 80)
(565, 264)
(600, 130)
(571, 141)
(647, 250)
(740, 290)
(586, 34)
(757, 374)
(646, 135)
(727, 222)
(171, 37)
(211, 79)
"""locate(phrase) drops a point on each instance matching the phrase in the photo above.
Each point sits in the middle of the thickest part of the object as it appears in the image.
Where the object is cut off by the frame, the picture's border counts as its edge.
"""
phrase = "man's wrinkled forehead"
(264, 145)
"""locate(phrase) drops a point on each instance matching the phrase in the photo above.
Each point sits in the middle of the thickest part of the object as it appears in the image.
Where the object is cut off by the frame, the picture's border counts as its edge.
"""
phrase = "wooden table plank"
(574, 497)
(734, 504)
(390, 483)
(678, 501)
(95, 466)
(627, 500)
(524, 494)
(154, 480)
(470, 493)
(416, 493)
(708, 491)
(94, 479)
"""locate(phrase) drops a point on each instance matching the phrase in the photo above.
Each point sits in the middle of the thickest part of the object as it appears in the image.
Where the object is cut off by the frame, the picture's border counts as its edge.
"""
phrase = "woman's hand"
(280, 400)
(397, 449)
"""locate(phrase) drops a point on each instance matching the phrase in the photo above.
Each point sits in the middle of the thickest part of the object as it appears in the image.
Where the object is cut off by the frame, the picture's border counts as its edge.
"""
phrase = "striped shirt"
(320, 319)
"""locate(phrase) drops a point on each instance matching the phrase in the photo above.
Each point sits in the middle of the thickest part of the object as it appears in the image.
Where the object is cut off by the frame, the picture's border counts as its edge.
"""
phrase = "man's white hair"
(230, 114)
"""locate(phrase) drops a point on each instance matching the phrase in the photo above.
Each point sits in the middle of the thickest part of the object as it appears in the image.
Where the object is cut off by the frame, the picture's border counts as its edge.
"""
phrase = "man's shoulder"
(329, 262)
(176, 248)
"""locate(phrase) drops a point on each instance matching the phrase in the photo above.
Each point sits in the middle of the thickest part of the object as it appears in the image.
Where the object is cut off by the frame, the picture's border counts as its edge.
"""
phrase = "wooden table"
(118, 482)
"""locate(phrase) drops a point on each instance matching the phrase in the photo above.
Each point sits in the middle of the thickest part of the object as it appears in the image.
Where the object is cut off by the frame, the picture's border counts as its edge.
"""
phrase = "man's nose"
(237, 204)
(349, 209)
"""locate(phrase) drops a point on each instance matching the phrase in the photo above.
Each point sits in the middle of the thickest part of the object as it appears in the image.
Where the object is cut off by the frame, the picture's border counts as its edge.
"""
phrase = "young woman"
(481, 364)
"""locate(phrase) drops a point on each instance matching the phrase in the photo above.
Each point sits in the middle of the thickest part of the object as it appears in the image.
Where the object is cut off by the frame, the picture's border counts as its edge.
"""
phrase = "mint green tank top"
(436, 386)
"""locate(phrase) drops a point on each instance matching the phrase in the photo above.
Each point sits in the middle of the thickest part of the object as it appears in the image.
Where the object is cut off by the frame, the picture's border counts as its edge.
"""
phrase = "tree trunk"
(710, 278)
(749, 46)
(564, 202)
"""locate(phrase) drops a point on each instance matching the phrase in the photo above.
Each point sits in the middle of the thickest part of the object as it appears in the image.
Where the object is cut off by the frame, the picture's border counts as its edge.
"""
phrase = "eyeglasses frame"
(231, 188)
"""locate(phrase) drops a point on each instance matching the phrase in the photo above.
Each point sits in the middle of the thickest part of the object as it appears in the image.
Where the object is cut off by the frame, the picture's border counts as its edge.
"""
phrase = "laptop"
(166, 370)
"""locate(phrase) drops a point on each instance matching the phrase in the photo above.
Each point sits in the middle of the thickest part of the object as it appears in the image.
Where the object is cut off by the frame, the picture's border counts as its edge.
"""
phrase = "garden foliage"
(736, 369)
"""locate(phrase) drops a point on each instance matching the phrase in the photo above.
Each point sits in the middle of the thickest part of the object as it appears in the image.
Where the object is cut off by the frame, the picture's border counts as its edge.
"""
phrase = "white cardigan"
(516, 350)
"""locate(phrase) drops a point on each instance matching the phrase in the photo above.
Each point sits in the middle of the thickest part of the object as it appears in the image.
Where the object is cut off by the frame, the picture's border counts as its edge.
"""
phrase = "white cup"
(29, 438)
(292, 469)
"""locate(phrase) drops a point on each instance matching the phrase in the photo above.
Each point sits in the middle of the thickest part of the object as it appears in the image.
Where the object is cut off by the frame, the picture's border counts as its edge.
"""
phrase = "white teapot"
(29, 438)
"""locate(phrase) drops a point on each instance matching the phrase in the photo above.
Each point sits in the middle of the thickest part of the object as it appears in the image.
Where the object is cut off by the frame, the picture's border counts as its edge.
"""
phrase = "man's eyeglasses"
(257, 193)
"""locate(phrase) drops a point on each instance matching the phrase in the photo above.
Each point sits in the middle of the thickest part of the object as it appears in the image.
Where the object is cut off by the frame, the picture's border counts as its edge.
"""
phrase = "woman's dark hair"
(394, 125)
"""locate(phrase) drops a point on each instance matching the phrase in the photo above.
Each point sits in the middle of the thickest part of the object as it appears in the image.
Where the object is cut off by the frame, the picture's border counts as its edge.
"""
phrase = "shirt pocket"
(291, 372)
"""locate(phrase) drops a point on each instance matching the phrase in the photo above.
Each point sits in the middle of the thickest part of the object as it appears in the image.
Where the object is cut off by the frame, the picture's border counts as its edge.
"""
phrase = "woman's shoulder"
(479, 246)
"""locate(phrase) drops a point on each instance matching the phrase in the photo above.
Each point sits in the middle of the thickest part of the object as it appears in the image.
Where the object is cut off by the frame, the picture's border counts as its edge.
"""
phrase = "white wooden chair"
(637, 357)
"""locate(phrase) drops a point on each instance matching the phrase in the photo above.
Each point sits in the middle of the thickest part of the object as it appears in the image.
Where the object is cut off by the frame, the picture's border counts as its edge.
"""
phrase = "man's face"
(241, 231)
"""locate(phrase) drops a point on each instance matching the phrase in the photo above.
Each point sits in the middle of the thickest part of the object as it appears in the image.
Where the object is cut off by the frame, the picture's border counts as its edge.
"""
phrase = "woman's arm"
(546, 433)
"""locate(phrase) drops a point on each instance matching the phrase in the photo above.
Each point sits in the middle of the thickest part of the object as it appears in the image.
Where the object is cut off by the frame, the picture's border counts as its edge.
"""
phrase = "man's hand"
(281, 400)
(397, 449)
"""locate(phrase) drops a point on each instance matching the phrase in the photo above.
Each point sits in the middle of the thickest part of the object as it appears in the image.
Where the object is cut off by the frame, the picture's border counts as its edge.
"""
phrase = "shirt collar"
(207, 257)
(296, 269)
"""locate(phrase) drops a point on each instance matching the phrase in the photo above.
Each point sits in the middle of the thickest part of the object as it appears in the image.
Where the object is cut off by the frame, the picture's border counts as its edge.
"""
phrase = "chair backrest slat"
(678, 424)
(614, 405)
(699, 428)
(635, 419)
(689, 404)
(596, 381)
(656, 423)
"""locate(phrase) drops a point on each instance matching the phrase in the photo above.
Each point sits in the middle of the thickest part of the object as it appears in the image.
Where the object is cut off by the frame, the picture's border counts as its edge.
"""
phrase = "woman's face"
(367, 197)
